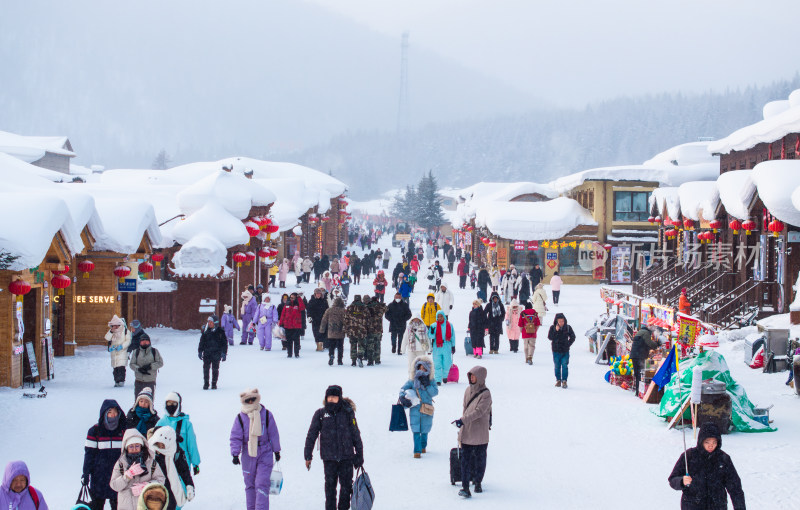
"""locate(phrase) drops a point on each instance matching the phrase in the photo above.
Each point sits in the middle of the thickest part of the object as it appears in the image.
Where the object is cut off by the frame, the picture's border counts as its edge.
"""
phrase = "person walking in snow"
(711, 476)
(212, 348)
(507, 283)
(397, 313)
(494, 276)
(254, 437)
(539, 301)
(415, 341)
(334, 269)
(298, 269)
(172, 461)
(184, 430)
(513, 331)
(229, 323)
(461, 271)
(536, 275)
(529, 326)
(134, 470)
(562, 337)
(145, 362)
(380, 284)
(376, 309)
(118, 339)
(291, 320)
(318, 266)
(355, 268)
(308, 266)
(142, 416)
(404, 287)
(137, 333)
(340, 446)
(555, 287)
(332, 326)
(283, 272)
(326, 281)
(442, 337)
(643, 342)
(356, 322)
(473, 431)
(523, 288)
(17, 493)
(444, 298)
(248, 311)
(477, 328)
(495, 314)
(484, 280)
(417, 394)
(100, 453)
(473, 279)
(345, 282)
(428, 311)
(315, 310)
(266, 317)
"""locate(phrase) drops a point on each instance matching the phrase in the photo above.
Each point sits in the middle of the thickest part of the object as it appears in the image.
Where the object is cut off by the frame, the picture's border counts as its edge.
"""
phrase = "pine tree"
(162, 161)
(429, 204)
(6, 259)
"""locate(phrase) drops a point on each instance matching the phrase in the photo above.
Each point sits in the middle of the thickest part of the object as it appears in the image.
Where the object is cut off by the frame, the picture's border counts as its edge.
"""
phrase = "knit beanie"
(146, 393)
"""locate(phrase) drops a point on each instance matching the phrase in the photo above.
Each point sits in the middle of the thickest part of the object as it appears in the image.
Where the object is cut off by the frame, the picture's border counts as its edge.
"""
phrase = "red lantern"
(263, 253)
(667, 222)
(342, 221)
(121, 272)
(671, 233)
(715, 224)
(607, 247)
(776, 227)
(19, 288)
(252, 228)
(86, 267)
(748, 226)
(492, 244)
(658, 220)
(735, 225)
(273, 253)
(250, 256)
(145, 267)
(60, 282)
(273, 228)
(157, 258)
(324, 218)
(239, 257)
(61, 271)
(688, 224)
(651, 219)
(470, 228)
(313, 219)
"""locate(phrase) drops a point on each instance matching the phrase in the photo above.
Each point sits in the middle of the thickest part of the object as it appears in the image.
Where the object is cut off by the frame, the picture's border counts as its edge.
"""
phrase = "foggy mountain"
(537, 145)
(206, 79)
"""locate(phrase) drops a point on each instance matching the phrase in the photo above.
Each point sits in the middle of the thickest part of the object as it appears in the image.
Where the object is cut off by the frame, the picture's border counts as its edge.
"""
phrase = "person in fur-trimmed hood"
(134, 470)
(473, 430)
(174, 465)
(154, 497)
(340, 446)
(255, 437)
(118, 339)
(419, 390)
(184, 430)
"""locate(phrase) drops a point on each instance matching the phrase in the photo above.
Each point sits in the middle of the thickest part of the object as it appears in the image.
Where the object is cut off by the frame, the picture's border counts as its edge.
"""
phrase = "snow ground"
(591, 446)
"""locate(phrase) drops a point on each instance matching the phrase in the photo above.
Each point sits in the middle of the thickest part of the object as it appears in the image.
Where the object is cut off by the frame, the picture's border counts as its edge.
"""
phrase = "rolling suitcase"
(468, 346)
(455, 466)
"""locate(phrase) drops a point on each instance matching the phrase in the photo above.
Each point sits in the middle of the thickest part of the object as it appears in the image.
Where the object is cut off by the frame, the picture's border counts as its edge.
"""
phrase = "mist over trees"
(420, 205)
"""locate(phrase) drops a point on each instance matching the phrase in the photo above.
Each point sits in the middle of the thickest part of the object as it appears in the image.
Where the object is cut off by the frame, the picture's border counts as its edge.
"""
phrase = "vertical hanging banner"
(687, 329)
(519, 245)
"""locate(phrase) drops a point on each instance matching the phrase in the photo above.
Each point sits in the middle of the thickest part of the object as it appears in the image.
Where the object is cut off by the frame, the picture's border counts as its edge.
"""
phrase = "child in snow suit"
(340, 444)
(184, 430)
(229, 323)
(173, 464)
(101, 452)
(473, 279)
(134, 470)
(212, 349)
(529, 325)
(119, 339)
(442, 337)
(418, 390)
(255, 437)
(142, 416)
(266, 317)
(512, 323)
(327, 281)
(380, 284)
(17, 493)
(249, 306)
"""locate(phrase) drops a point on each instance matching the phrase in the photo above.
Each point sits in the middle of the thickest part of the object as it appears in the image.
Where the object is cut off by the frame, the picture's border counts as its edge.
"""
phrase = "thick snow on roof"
(32, 148)
(30, 224)
(233, 192)
(203, 255)
(215, 221)
(119, 224)
(701, 197)
(736, 191)
(780, 119)
(489, 192)
(280, 170)
(776, 182)
(293, 199)
(667, 201)
(532, 221)
(16, 170)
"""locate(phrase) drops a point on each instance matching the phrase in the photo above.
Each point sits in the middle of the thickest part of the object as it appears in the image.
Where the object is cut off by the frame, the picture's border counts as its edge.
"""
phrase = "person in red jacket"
(380, 284)
(291, 321)
(414, 264)
(529, 325)
(684, 306)
(461, 271)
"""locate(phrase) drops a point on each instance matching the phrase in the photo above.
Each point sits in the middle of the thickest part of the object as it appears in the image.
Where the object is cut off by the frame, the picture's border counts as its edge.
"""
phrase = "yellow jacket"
(273, 270)
(428, 311)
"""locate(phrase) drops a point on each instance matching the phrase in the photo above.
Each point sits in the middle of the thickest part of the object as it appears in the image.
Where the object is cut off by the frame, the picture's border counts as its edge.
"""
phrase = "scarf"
(496, 309)
(417, 375)
(167, 436)
(448, 334)
(144, 414)
(253, 412)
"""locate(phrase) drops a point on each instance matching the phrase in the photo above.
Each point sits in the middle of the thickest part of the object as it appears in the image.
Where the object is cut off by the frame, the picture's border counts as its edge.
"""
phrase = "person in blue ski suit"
(418, 390)
(442, 336)
(184, 430)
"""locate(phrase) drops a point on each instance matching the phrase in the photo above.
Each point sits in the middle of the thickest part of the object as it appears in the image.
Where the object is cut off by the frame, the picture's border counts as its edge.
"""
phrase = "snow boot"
(424, 450)
(297, 355)
(378, 362)
(213, 386)
(360, 363)
(330, 361)
(370, 363)
(564, 385)
(394, 349)
(478, 488)
(464, 493)
(353, 364)
(558, 384)
(340, 363)
(529, 361)
(205, 386)
(417, 456)
(319, 347)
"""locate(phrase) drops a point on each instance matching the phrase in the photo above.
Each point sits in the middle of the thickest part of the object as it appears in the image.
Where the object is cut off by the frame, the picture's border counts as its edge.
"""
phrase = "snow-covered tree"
(162, 161)
(6, 259)
(428, 203)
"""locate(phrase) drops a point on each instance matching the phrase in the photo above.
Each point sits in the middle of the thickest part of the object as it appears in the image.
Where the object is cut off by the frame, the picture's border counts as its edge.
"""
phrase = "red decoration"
(313, 219)
(272, 228)
(19, 288)
(145, 267)
(86, 267)
(607, 247)
(748, 226)
(688, 224)
(157, 258)
(715, 224)
(60, 282)
(252, 228)
(735, 225)
(239, 257)
(342, 221)
(776, 227)
(249, 257)
(470, 228)
(324, 218)
(658, 219)
(671, 233)
(492, 244)
(263, 253)
(61, 271)
(121, 272)
(667, 222)
(651, 219)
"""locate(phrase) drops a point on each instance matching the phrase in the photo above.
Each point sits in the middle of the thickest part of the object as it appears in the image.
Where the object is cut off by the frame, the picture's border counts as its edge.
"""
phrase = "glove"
(190, 492)
(459, 423)
(196, 470)
(146, 367)
(85, 479)
(277, 456)
(145, 371)
(453, 350)
(137, 488)
(200, 355)
(134, 470)
(405, 402)
(358, 461)
(235, 460)
(224, 357)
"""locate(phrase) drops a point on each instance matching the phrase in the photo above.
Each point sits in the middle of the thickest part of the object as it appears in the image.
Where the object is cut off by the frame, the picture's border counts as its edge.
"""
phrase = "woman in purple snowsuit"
(228, 323)
(266, 317)
(249, 306)
(256, 448)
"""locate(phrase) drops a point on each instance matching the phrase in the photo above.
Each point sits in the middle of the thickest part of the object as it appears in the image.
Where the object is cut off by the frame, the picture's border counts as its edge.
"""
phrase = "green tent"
(714, 367)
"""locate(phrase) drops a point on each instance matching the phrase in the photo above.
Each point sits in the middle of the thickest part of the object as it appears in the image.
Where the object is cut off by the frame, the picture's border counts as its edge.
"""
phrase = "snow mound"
(33, 148)
(774, 108)
(736, 192)
(667, 201)
(533, 221)
(776, 181)
(118, 224)
(215, 221)
(235, 193)
(201, 255)
(698, 199)
(18, 171)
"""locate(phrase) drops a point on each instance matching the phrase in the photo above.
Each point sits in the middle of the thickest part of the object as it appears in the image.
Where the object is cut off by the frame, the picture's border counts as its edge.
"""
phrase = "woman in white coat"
(494, 274)
(415, 341)
(118, 338)
(134, 470)
(539, 301)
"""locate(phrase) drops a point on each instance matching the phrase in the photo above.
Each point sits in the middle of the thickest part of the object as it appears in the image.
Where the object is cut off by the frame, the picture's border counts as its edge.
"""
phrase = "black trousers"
(397, 340)
(473, 464)
(335, 344)
(494, 341)
(638, 366)
(462, 282)
(213, 364)
(119, 374)
(293, 341)
(380, 297)
(556, 293)
(306, 276)
(341, 473)
(100, 503)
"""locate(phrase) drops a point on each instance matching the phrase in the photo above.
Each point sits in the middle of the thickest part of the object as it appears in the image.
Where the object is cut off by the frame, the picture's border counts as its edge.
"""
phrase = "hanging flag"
(669, 367)
(783, 148)
(519, 245)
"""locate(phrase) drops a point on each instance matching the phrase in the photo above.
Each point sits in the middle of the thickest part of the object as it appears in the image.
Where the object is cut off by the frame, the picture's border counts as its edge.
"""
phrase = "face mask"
(111, 423)
(397, 300)
(172, 408)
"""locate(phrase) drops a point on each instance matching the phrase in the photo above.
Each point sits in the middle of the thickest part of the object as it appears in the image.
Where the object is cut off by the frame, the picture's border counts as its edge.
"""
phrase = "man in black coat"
(340, 446)
(315, 309)
(561, 337)
(484, 280)
(641, 346)
(101, 451)
(137, 333)
(495, 315)
(398, 268)
(212, 349)
(397, 313)
(536, 276)
(711, 474)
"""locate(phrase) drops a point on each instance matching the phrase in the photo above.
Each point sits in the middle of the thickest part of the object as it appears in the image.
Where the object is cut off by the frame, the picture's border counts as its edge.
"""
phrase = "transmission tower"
(402, 109)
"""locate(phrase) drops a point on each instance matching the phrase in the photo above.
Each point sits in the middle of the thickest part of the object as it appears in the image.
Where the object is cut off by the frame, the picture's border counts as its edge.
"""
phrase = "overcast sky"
(571, 52)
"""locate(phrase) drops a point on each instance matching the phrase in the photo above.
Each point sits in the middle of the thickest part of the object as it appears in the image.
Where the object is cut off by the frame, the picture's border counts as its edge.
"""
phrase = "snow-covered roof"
(475, 196)
(215, 221)
(18, 171)
(667, 201)
(736, 191)
(780, 119)
(776, 182)
(376, 207)
(119, 223)
(533, 221)
(33, 148)
(699, 198)
(235, 193)
(202, 255)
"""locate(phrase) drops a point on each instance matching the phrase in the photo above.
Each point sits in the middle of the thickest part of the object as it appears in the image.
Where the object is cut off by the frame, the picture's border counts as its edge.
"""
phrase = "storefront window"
(568, 262)
(525, 259)
(631, 205)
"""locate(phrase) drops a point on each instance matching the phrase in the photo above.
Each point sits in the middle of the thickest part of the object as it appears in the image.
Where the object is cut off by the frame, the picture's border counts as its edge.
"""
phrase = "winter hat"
(136, 325)
(227, 309)
(250, 393)
(214, 319)
(265, 298)
(174, 396)
(683, 290)
(146, 393)
(135, 440)
(333, 390)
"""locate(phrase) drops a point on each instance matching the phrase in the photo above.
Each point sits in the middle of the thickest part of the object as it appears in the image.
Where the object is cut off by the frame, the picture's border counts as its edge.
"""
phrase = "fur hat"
(250, 393)
(227, 309)
(333, 390)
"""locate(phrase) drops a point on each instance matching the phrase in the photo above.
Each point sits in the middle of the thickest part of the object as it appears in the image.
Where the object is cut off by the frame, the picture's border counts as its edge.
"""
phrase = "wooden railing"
(724, 310)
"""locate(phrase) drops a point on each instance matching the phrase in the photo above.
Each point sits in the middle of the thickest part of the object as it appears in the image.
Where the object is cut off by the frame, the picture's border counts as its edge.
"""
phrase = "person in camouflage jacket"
(375, 331)
(356, 322)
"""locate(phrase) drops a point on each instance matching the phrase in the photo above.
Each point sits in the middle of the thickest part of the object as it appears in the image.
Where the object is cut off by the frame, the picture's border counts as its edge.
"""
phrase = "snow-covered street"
(590, 446)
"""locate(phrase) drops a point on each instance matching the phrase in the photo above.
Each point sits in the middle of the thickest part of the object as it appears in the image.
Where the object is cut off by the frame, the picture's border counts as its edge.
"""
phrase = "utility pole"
(402, 110)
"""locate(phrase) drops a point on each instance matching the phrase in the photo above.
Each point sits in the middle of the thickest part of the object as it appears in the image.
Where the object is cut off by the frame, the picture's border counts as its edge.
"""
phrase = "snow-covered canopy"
(776, 182)
(33, 148)
(780, 119)
(667, 201)
(479, 194)
(532, 221)
(202, 255)
(736, 192)
(698, 199)
(235, 193)
(119, 224)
